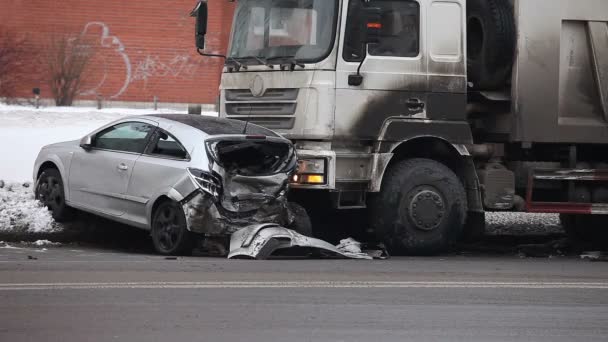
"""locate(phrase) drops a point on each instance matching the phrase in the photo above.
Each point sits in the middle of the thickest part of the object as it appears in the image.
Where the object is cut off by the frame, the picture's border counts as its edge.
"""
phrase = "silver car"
(175, 175)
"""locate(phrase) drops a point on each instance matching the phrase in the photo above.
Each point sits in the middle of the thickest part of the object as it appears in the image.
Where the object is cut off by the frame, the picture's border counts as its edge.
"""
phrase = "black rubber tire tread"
(395, 230)
(60, 212)
(185, 242)
(493, 64)
(301, 222)
(590, 230)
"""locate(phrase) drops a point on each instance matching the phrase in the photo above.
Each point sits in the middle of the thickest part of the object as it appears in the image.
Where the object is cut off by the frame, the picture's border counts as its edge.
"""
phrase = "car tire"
(170, 233)
(301, 222)
(490, 42)
(421, 208)
(51, 193)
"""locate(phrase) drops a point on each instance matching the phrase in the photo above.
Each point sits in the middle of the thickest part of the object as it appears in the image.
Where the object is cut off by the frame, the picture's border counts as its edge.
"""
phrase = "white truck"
(430, 112)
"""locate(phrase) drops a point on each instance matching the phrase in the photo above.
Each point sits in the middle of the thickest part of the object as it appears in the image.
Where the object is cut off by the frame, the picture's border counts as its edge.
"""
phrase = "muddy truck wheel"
(50, 192)
(421, 208)
(170, 234)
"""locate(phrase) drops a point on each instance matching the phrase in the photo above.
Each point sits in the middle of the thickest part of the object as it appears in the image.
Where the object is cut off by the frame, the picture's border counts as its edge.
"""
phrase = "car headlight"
(310, 171)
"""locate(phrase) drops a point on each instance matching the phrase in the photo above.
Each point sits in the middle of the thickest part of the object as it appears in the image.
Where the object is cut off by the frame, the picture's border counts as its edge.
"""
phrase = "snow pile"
(24, 130)
(21, 213)
(41, 243)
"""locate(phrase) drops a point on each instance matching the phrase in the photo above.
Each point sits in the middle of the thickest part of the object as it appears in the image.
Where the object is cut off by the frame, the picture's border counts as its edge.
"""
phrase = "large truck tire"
(589, 230)
(490, 42)
(421, 208)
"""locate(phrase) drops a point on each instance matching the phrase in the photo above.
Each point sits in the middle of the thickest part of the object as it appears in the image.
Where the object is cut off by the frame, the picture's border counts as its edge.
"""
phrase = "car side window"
(126, 137)
(165, 145)
(399, 35)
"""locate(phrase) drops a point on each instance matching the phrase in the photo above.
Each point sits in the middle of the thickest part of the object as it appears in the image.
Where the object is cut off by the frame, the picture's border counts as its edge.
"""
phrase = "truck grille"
(275, 109)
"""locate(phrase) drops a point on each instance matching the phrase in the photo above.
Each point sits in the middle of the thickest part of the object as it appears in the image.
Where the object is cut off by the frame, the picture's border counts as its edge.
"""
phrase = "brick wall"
(142, 48)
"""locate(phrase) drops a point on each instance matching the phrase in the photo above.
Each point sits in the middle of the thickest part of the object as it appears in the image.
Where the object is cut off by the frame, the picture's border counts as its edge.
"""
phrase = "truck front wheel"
(421, 208)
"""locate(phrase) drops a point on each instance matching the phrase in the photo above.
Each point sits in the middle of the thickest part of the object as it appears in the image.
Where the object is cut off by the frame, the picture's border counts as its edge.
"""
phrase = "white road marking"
(305, 284)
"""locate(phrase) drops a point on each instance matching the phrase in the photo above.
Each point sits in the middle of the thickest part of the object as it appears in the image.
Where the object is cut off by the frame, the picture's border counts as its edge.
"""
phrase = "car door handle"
(122, 167)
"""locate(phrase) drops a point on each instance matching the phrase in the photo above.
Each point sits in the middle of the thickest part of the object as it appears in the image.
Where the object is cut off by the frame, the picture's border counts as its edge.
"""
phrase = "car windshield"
(268, 30)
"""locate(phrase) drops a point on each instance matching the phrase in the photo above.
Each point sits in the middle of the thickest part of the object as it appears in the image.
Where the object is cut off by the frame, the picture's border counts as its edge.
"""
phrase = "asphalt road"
(74, 293)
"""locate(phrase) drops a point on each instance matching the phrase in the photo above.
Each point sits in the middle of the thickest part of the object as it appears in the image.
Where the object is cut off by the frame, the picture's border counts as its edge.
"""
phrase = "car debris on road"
(262, 240)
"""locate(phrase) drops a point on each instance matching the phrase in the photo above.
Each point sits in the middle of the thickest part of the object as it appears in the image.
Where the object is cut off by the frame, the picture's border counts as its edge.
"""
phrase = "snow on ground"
(24, 130)
(21, 213)
(501, 223)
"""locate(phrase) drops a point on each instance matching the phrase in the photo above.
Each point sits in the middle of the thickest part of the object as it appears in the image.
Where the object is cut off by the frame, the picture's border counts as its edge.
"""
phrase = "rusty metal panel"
(559, 78)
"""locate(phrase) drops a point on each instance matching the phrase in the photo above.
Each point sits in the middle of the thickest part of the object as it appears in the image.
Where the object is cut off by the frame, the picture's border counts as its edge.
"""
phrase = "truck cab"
(301, 81)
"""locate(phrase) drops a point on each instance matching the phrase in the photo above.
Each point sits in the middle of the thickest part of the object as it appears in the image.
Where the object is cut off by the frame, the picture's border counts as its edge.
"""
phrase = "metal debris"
(260, 241)
(594, 256)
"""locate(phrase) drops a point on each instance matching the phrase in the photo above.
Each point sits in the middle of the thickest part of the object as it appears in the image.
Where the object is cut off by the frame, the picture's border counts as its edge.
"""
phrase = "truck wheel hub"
(426, 208)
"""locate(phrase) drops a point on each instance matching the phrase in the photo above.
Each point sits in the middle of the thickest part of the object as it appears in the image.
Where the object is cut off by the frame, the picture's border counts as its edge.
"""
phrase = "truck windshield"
(269, 30)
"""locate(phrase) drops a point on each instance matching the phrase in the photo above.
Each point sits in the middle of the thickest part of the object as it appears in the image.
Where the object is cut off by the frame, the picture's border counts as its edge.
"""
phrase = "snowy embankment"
(23, 131)
(20, 214)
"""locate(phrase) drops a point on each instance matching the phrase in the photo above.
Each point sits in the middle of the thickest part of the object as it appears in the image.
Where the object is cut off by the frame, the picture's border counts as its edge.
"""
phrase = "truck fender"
(410, 138)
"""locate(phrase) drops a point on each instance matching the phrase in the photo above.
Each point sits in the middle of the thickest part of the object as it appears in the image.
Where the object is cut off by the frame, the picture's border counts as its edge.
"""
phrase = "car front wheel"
(50, 192)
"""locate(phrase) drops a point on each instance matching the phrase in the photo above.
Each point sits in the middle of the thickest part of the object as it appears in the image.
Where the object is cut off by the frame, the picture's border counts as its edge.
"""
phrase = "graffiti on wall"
(111, 58)
(107, 45)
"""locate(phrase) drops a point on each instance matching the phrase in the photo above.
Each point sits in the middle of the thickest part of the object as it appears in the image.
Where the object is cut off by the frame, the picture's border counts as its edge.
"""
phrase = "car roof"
(217, 126)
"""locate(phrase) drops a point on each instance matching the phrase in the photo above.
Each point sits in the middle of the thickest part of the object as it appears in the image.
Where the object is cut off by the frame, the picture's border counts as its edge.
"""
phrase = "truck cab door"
(404, 69)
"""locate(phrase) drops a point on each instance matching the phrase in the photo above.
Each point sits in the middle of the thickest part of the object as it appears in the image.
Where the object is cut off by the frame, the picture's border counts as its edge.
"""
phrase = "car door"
(162, 165)
(99, 176)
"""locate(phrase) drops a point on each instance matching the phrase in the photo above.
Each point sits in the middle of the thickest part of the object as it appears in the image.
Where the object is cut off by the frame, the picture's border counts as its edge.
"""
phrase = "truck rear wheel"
(590, 230)
(421, 208)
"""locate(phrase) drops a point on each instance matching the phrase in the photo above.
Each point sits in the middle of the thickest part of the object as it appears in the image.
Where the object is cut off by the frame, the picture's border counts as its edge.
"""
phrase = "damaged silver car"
(175, 175)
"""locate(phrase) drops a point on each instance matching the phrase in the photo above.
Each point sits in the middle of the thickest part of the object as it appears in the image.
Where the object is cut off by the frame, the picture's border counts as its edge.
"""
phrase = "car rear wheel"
(170, 234)
(50, 192)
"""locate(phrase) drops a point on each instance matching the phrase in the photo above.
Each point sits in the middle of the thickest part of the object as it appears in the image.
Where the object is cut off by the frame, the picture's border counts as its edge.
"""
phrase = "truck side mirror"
(372, 24)
(200, 13)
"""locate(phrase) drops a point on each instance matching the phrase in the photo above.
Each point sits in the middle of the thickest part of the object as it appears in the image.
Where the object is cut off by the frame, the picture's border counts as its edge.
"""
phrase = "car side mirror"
(87, 142)
(200, 30)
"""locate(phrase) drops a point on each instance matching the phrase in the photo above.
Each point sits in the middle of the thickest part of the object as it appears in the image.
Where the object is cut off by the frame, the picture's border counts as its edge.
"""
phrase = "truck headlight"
(310, 171)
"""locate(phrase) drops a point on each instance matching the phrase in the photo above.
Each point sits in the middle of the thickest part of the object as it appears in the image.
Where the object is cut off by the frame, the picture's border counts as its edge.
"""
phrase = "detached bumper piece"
(262, 240)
